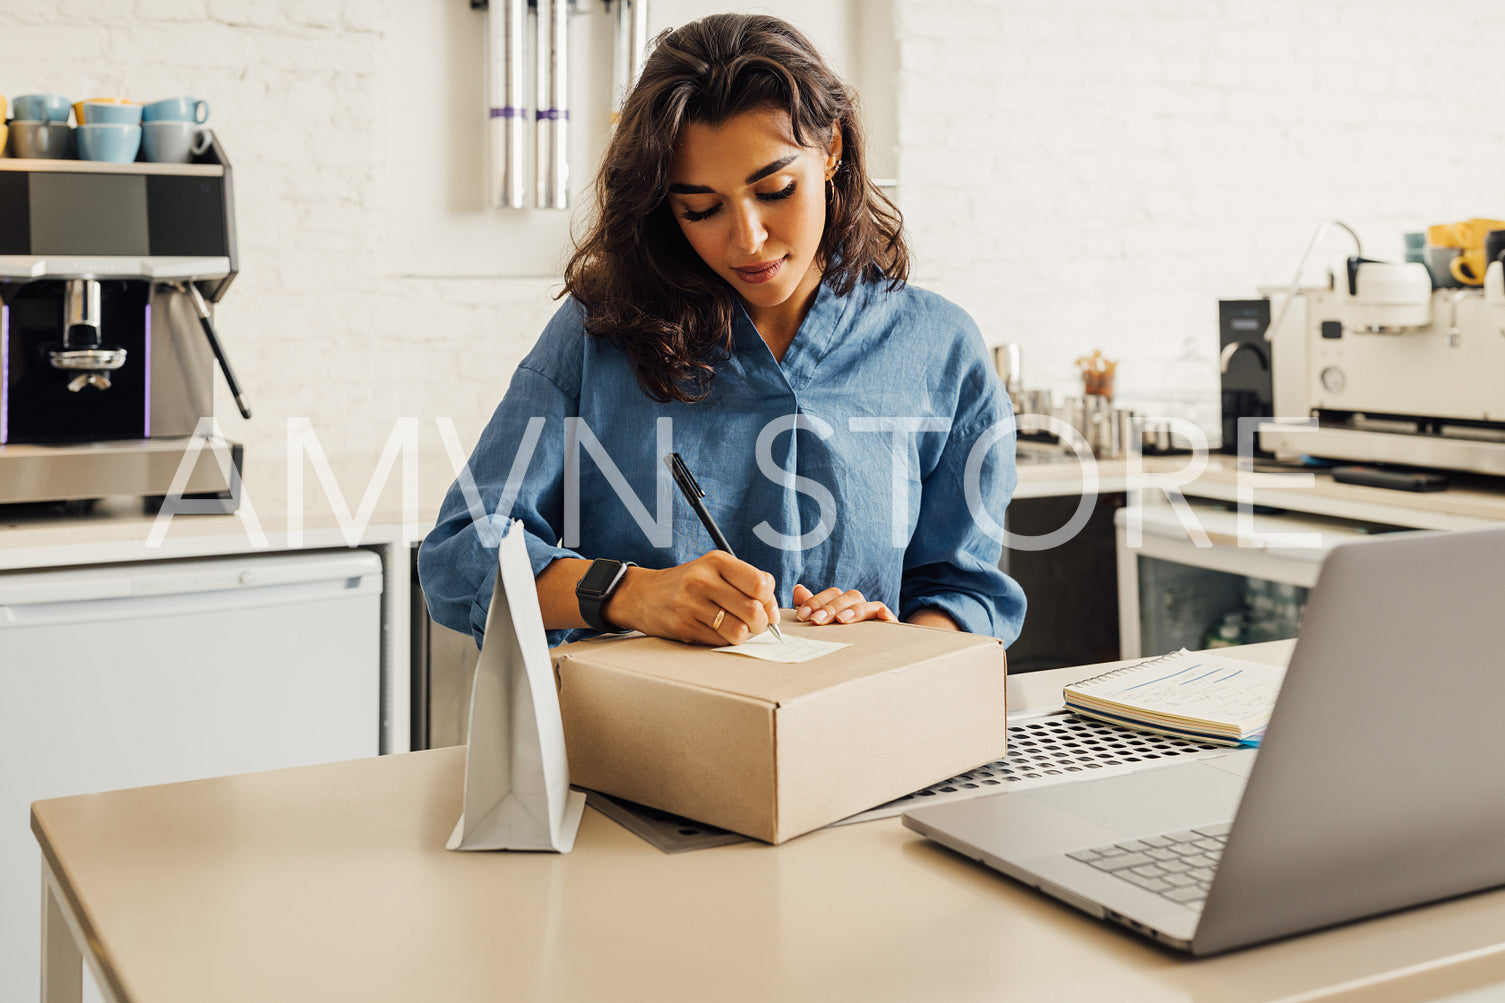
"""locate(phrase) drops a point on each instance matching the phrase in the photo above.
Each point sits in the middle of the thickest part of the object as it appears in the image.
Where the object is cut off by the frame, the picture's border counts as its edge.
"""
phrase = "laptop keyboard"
(1177, 865)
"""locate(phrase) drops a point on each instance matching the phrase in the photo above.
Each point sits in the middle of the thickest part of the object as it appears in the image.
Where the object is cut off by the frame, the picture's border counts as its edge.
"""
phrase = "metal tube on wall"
(637, 43)
(628, 43)
(538, 23)
(506, 24)
(539, 12)
(621, 73)
(553, 105)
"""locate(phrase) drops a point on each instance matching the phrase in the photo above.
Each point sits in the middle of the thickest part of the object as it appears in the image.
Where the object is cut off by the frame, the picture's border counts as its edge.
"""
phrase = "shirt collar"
(811, 343)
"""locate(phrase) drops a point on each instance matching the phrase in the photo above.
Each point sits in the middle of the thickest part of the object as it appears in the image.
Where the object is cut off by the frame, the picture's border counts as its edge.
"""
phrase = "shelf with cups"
(107, 130)
(170, 221)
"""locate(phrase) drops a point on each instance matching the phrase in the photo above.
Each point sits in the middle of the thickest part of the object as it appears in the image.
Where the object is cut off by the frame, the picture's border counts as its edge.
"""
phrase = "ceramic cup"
(41, 140)
(184, 109)
(1468, 267)
(1443, 235)
(1494, 246)
(116, 143)
(1440, 264)
(2, 108)
(173, 142)
(78, 106)
(109, 113)
(1471, 232)
(1416, 247)
(1467, 234)
(40, 108)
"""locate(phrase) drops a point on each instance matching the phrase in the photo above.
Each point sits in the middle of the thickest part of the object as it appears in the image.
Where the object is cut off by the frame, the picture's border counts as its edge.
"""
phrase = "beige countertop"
(331, 882)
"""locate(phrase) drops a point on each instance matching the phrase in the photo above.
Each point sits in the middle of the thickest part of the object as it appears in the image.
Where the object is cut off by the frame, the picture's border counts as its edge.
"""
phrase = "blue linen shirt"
(845, 463)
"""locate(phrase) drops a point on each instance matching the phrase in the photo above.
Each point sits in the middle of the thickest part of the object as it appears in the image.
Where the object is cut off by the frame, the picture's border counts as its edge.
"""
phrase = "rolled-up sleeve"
(952, 562)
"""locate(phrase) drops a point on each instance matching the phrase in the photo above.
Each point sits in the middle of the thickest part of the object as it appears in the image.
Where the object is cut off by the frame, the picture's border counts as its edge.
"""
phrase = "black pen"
(690, 488)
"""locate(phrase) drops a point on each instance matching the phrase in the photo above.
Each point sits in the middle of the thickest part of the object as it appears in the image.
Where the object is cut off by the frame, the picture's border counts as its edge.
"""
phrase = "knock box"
(774, 750)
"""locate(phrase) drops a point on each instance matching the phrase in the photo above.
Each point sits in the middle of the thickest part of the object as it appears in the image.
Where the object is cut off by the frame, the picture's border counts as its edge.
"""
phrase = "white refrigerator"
(133, 674)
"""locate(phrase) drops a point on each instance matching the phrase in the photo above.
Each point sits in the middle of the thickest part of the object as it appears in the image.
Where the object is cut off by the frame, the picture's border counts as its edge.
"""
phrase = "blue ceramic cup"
(40, 108)
(176, 110)
(109, 113)
(115, 143)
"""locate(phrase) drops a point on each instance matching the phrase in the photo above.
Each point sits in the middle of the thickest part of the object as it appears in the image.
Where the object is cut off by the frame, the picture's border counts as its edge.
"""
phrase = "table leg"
(1128, 597)
(62, 963)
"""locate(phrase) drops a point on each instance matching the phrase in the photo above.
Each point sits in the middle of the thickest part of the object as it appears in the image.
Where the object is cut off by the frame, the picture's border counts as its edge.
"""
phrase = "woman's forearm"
(556, 593)
(929, 616)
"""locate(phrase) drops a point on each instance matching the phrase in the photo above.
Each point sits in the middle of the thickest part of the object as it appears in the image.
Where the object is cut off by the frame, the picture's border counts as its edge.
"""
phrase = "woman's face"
(752, 203)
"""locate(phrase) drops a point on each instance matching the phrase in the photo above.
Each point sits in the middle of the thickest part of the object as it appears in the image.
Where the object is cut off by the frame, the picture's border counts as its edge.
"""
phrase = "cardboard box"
(772, 750)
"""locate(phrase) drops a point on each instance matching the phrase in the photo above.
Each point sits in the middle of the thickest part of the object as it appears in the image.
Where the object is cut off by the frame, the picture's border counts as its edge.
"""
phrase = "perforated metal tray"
(1049, 749)
(1043, 749)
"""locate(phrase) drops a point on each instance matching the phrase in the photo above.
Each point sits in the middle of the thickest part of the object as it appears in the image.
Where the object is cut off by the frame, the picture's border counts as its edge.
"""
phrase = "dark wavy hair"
(641, 284)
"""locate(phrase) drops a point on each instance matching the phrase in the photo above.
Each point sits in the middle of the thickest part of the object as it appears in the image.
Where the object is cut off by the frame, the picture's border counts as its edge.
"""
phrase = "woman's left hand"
(835, 606)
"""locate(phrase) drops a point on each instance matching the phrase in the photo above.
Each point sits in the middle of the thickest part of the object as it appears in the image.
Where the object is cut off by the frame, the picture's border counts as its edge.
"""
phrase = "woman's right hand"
(682, 602)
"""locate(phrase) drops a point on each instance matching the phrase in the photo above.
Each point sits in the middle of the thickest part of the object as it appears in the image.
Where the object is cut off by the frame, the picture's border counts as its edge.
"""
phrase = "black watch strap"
(596, 588)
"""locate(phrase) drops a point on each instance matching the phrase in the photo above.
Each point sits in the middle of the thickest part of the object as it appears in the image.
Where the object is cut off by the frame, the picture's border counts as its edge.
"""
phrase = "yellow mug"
(1472, 232)
(78, 107)
(1468, 234)
(1468, 267)
(4, 136)
(1440, 235)
(2, 108)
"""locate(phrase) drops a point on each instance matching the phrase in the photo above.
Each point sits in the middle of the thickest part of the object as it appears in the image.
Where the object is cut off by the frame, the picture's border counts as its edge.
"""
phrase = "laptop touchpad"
(1159, 800)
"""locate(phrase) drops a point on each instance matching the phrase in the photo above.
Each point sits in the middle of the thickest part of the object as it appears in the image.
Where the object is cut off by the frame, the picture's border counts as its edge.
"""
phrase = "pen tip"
(776, 632)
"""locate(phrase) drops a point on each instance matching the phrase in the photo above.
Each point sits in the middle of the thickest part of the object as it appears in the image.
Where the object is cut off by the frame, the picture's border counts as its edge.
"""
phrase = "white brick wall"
(1087, 174)
(1078, 174)
(314, 324)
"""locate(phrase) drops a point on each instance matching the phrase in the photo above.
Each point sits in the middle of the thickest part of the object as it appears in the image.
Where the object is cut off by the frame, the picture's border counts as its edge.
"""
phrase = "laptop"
(1380, 783)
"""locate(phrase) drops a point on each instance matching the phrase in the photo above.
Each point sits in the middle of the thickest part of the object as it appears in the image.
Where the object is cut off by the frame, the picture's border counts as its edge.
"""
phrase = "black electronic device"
(1387, 477)
(1245, 367)
(596, 587)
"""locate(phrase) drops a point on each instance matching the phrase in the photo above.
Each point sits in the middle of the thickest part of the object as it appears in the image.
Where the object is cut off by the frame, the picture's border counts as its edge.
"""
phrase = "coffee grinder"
(107, 341)
(1246, 375)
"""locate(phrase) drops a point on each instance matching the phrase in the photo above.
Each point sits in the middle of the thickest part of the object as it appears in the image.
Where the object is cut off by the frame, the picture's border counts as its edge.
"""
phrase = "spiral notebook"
(1199, 695)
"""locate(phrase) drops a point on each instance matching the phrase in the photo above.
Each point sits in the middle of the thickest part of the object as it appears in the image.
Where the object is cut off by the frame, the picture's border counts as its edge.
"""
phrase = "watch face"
(600, 577)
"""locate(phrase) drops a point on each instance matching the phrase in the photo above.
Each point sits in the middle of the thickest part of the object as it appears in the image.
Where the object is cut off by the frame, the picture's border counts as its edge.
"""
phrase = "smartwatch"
(593, 590)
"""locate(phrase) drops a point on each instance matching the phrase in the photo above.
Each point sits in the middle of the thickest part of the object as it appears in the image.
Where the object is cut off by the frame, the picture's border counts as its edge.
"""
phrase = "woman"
(740, 299)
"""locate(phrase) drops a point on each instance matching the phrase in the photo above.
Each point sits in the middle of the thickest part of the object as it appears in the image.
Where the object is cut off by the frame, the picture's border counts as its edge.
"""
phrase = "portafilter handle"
(202, 309)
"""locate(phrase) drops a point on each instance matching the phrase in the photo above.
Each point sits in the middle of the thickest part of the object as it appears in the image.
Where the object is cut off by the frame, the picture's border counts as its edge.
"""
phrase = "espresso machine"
(1392, 371)
(108, 274)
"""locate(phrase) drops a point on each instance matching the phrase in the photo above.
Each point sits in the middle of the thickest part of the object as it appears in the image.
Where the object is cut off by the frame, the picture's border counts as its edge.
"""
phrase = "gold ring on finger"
(716, 623)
